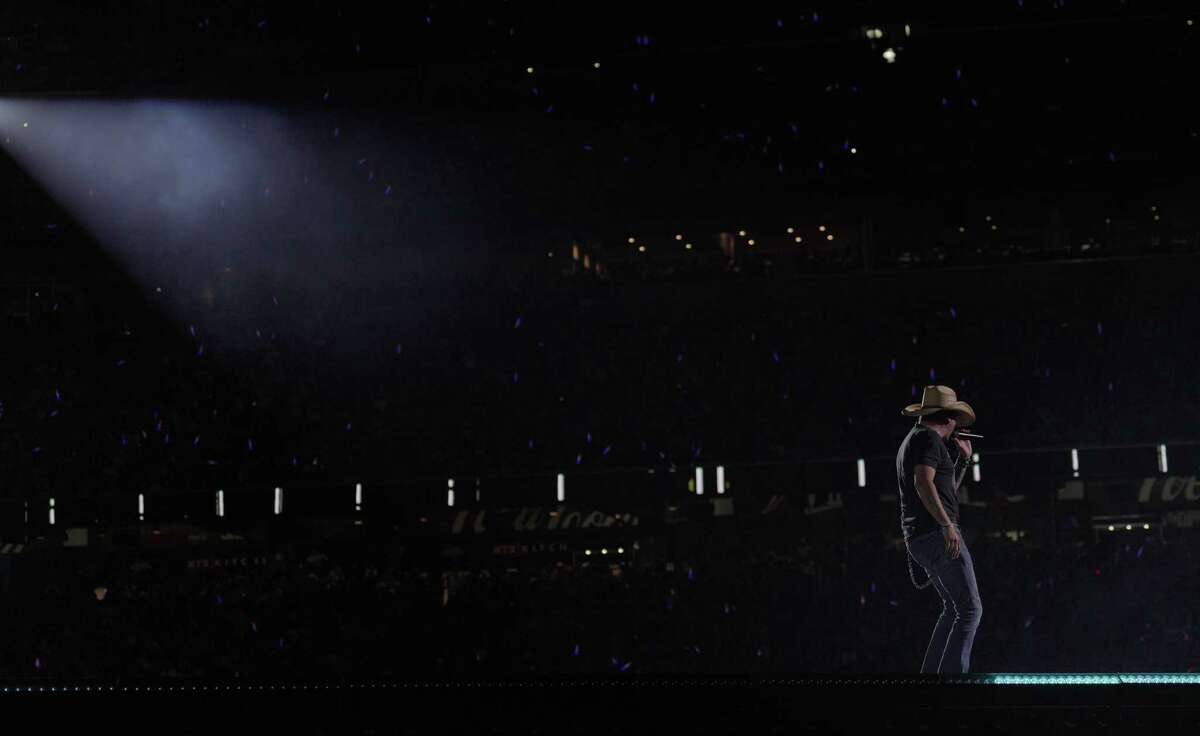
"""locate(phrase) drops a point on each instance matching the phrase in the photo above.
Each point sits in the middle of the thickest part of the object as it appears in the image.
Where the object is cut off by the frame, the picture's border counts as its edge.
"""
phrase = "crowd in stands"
(842, 606)
(108, 396)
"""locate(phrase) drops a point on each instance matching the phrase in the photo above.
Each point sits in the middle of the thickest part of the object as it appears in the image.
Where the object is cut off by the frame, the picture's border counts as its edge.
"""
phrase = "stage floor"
(995, 703)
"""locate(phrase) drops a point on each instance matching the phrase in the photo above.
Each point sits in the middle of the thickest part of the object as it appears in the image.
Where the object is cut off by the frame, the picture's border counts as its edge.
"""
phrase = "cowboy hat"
(941, 398)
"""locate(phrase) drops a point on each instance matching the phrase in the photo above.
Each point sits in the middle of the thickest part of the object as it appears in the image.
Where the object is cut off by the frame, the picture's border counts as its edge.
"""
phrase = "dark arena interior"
(545, 368)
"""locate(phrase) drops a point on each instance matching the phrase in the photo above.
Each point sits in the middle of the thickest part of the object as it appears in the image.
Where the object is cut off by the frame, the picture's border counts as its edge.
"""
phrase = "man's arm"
(960, 471)
(923, 482)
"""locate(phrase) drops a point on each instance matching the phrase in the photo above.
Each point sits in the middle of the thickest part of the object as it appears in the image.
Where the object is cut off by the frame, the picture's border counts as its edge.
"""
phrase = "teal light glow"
(1094, 678)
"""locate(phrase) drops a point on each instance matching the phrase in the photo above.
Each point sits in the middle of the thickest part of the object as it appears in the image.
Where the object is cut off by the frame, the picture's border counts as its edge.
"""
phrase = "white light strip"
(720, 480)
(1162, 458)
(699, 481)
(221, 503)
(141, 507)
(450, 492)
(862, 473)
(562, 487)
(975, 472)
(358, 496)
(278, 501)
(52, 512)
(1075, 463)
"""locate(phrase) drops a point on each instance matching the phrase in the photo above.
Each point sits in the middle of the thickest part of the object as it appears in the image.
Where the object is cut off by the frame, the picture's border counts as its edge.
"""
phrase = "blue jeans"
(950, 648)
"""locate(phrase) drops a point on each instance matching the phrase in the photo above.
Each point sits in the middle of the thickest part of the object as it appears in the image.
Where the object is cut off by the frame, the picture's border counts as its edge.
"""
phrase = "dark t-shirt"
(923, 446)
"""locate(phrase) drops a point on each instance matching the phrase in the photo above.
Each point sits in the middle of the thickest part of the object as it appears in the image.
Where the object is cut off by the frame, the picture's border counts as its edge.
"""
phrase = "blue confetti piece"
(281, 643)
(913, 392)
(399, 349)
(816, 17)
(262, 23)
(974, 102)
(362, 162)
(516, 377)
(953, 313)
(945, 102)
(958, 74)
(295, 461)
(57, 395)
(54, 413)
(775, 355)
(347, 426)
(678, 358)
(250, 444)
(696, 451)
(120, 363)
(200, 351)
(124, 441)
(196, 441)
(192, 329)
(587, 147)
(780, 167)
(388, 192)
(325, 97)
(575, 652)
(779, 24)
(873, 587)
(635, 86)
(337, 132)
(536, 92)
(579, 459)
(428, 20)
(625, 667)
(652, 98)
(893, 365)
(606, 449)
(820, 166)
(531, 444)
(1140, 551)
(167, 438)
(549, 109)
(932, 375)
(589, 438)
(1099, 330)
(517, 324)
(1112, 157)
(36, 450)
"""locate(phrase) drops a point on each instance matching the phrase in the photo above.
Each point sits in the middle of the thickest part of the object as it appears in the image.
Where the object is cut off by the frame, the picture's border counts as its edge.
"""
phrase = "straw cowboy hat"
(941, 398)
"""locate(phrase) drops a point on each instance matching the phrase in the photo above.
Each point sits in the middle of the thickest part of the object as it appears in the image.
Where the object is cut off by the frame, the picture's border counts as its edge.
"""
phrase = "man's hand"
(953, 541)
(964, 448)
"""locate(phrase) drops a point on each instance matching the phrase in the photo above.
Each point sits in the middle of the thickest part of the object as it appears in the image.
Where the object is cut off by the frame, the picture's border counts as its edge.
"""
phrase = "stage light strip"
(1147, 678)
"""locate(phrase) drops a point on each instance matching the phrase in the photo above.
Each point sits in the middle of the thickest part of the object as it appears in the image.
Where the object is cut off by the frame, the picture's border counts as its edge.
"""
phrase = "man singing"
(930, 467)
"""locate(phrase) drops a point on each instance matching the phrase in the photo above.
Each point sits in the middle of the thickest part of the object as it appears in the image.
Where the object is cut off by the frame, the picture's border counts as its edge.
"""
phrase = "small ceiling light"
(890, 56)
